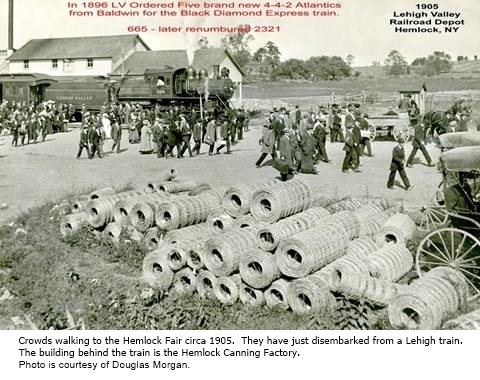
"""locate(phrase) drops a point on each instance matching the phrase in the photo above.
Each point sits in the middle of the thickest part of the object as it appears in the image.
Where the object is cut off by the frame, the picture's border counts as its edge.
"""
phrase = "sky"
(361, 29)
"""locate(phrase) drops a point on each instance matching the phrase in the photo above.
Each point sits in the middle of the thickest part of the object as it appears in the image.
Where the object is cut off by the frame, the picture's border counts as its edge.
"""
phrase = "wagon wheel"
(451, 247)
(421, 203)
(373, 132)
(402, 131)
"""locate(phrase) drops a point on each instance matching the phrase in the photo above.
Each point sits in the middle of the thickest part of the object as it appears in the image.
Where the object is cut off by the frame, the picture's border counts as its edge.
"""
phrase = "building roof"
(140, 61)
(74, 47)
(206, 58)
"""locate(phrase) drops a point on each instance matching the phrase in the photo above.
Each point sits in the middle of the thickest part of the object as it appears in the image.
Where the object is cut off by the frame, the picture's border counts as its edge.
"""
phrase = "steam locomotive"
(169, 86)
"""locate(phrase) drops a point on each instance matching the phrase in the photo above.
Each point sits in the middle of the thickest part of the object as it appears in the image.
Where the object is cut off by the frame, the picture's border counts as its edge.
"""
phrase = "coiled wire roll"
(360, 286)
(223, 252)
(334, 273)
(123, 207)
(469, 321)
(189, 234)
(156, 270)
(371, 226)
(310, 250)
(79, 204)
(280, 200)
(244, 221)
(270, 235)
(397, 229)
(236, 200)
(195, 256)
(72, 222)
(167, 175)
(176, 187)
(276, 294)
(250, 296)
(390, 262)
(205, 282)
(100, 210)
(345, 220)
(142, 213)
(226, 289)
(310, 294)
(177, 256)
(344, 205)
(189, 210)
(258, 268)
(429, 300)
(361, 247)
(153, 238)
(113, 231)
(364, 213)
(219, 221)
(101, 193)
(184, 281)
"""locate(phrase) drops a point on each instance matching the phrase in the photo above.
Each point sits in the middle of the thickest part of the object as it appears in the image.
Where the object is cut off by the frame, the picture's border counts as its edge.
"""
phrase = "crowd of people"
(297, 141)
(29, 123)
(163, 131)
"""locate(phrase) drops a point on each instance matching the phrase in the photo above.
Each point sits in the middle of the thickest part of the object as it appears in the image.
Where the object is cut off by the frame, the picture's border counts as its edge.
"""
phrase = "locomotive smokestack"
(10, 24)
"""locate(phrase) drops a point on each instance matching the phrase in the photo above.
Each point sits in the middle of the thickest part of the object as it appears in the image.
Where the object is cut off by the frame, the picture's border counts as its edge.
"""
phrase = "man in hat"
(286, 155)
(268, 144)
(303, 125)
(95, 139)
(116, 131)
(357, 139)
(418, 142)
(397, 165)
(320, 136)
(349, 160)
(336, 133)
(83, 141)
(307, 143)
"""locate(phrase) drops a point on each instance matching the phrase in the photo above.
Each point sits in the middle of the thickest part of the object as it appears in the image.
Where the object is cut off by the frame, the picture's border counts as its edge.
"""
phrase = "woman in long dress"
(146, 138)
(133, 137)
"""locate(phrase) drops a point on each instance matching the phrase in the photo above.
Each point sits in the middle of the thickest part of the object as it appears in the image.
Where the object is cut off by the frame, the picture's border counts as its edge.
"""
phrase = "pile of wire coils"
(273, 244)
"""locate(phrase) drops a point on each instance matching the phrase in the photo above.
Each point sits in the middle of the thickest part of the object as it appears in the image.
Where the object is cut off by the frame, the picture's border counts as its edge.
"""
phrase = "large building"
(75, 56)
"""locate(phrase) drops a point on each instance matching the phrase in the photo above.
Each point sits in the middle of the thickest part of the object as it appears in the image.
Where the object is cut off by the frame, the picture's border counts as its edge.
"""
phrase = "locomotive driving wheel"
(454, 248)
(423, 204)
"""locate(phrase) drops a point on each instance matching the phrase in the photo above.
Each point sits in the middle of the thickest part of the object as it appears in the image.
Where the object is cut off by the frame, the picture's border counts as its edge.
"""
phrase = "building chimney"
(10, 24)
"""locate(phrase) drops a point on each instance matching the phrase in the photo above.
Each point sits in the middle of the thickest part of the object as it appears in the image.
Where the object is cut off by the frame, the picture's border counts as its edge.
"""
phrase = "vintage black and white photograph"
(239, 165)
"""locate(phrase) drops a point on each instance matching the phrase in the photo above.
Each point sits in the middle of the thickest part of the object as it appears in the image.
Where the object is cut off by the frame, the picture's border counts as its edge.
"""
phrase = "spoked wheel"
(422, 204)
(455, 248)
(402, 130)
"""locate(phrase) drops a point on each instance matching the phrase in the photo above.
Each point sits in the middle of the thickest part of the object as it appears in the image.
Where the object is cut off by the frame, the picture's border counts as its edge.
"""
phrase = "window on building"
(90, 63)
(54, 63)
(26, 64)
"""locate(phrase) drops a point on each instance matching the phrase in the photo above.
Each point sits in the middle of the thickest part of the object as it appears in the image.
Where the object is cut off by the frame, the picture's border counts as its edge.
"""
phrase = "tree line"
(325, 67)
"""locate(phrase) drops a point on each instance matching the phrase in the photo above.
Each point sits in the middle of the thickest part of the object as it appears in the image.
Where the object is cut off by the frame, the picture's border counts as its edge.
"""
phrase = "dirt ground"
(49, 171)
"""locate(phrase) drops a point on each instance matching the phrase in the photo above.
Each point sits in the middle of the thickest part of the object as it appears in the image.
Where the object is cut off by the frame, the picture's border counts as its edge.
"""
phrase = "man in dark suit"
(419, 143)
(307, 144)
(357, 140)
(95, 138)
(320, 136)
(336, 127)
(397, 164)
(83, 142)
